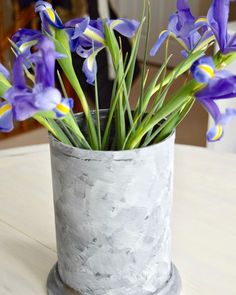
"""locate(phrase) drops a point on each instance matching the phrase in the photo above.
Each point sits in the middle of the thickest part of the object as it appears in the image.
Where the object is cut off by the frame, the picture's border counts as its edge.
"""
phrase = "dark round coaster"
(173, 286)
(55, 285)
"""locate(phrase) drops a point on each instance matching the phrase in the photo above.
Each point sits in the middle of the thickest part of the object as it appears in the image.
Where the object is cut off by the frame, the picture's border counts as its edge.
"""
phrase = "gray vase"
(112, 213)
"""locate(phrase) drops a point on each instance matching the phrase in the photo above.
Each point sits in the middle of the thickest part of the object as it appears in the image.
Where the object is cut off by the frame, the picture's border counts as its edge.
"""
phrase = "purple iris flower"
(48, 16)
(221, 85)
(87, 38)
(217, 19)
(25, 39)
(182, 26)
(75, 29)
(43, 96)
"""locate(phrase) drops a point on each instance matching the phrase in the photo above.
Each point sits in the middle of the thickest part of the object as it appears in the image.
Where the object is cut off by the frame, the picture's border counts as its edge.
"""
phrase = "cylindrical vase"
(112, 214)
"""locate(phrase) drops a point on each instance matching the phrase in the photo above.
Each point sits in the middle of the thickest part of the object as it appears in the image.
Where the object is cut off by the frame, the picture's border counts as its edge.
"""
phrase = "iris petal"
(22, 103)
(231, 46)
(215, 133)
(203, 70)
(124, 26)
(63, 108)
(42, 5)
(84, 52)
(18, 72)
(222, 86)
(162, 37)
(201, 21)
(80, 27)
(218, 16)
(94, 34)
(85, 33)
(90, 67)
(25, 39)
(48, 16)
(44, 61)
(46, 98)
(47, 50)
(6, 117)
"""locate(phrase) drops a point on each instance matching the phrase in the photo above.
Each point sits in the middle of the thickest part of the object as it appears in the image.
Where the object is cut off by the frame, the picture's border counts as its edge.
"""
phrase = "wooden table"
(204, 221)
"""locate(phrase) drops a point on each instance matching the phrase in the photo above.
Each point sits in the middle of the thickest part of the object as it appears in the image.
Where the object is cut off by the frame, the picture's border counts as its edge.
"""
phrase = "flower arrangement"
(30, 91)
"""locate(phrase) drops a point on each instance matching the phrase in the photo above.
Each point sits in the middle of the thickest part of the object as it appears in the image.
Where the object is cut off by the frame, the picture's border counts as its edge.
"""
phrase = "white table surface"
(203, 223)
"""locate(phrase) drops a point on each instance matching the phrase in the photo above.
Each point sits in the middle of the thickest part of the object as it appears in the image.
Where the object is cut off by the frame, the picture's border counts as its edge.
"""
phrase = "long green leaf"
(72, 126)
(97, 110)
(173, 104)
(117, 60)
(167, 127)
(149, 92)
(105, 139)
(174, 122)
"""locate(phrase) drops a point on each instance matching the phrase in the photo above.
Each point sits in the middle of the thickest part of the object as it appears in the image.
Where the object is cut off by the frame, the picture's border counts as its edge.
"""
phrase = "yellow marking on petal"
(218, 133)
(116, 23)
(25, 45)
(207, 69)
(62, 108)
(51, 14)
(4, 109)
(162, 33)
(201, 19)
(90, 61)
(92, 35)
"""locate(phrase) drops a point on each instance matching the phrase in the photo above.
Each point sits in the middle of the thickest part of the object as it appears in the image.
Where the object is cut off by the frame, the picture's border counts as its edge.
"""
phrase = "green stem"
(98, 114)
(71, 120)
(71, 123)
(140, 103)
(70, 73)
(174, 121)
(128, 73)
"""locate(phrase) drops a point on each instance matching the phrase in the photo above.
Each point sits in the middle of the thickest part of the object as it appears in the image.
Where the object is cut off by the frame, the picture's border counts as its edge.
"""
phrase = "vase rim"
(58, 144)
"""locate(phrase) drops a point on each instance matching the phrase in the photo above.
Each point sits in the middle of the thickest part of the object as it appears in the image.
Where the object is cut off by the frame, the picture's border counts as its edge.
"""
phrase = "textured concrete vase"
(112, 212)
